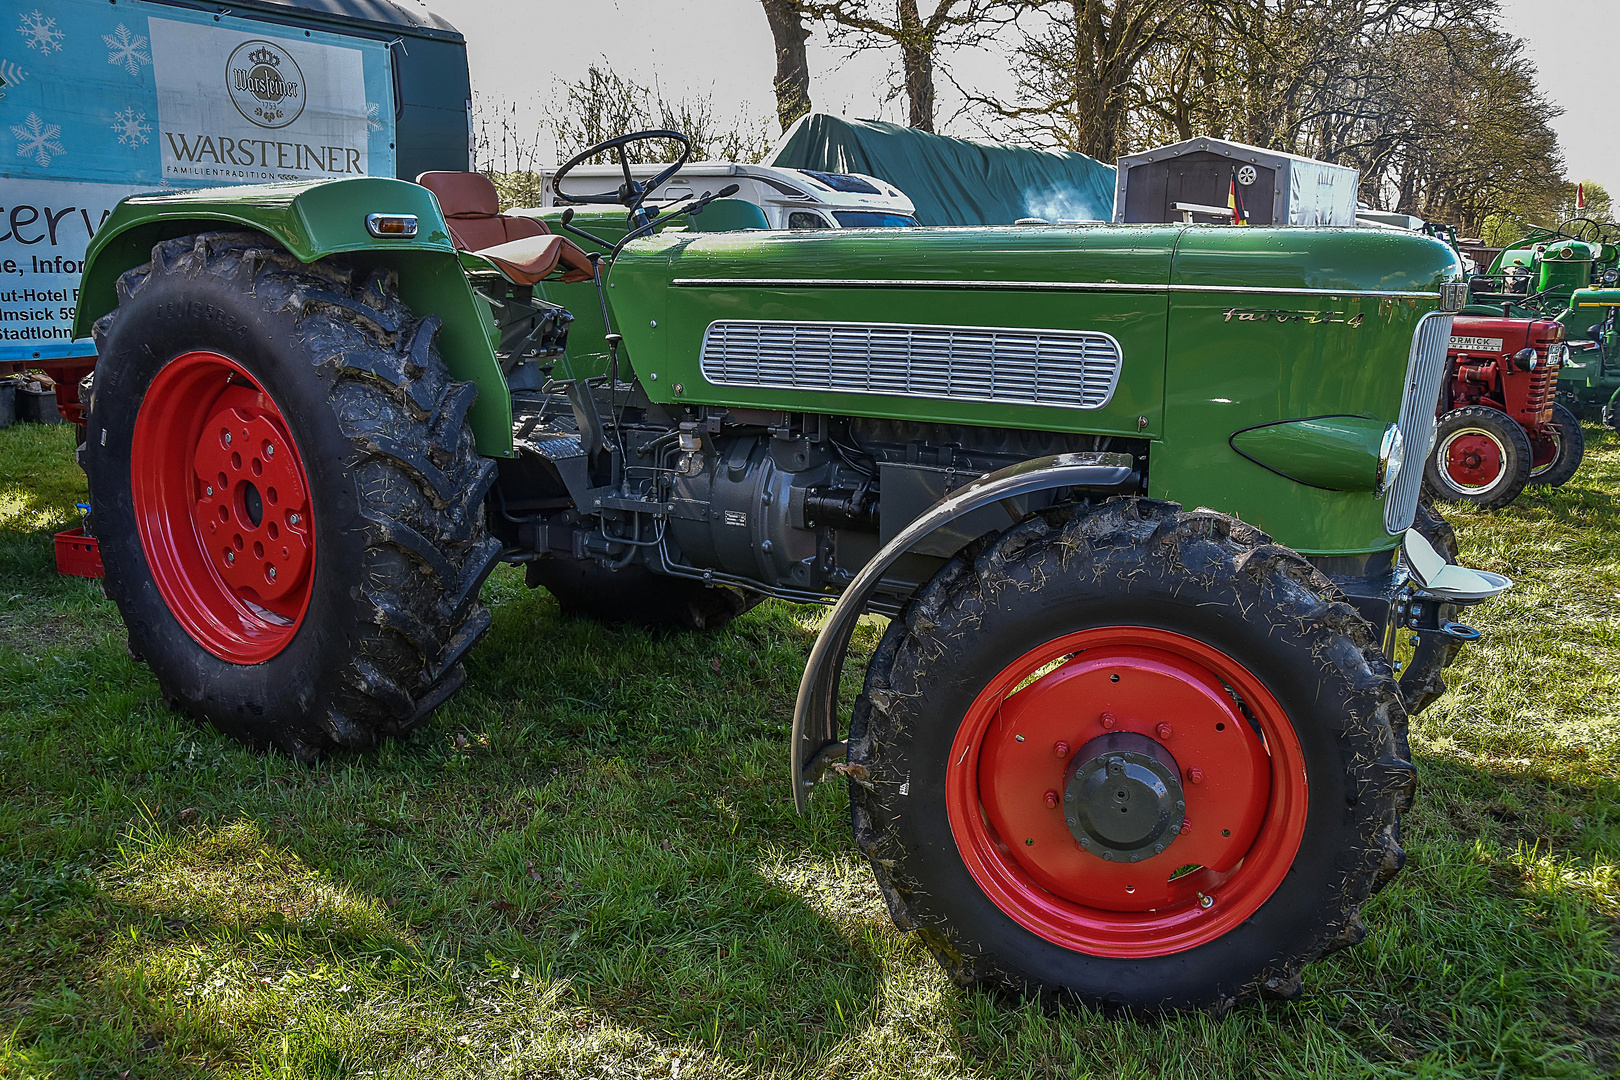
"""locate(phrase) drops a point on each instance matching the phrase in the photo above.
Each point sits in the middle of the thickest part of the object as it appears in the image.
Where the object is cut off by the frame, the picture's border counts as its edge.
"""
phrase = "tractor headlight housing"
(1526, 360)
(1453, 295)
(1391, 455)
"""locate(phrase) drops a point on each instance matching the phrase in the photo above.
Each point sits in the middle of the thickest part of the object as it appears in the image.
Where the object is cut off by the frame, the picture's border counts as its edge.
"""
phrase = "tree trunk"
(917, 53)
(792, 67)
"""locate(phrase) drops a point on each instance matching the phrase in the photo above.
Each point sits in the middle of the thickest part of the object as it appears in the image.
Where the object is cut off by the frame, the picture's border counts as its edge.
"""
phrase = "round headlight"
(1391, 453)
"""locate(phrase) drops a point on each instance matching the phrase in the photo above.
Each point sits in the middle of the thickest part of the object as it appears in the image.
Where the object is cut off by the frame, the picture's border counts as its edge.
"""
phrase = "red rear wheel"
(240, 397)
(1067, 825)
(223, 508)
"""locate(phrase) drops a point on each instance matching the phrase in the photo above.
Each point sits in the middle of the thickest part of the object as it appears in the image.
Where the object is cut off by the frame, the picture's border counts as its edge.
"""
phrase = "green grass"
(588, 862)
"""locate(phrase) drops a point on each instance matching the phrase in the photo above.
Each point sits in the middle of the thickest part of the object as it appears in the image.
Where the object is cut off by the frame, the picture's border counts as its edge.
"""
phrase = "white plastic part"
(1445, 579)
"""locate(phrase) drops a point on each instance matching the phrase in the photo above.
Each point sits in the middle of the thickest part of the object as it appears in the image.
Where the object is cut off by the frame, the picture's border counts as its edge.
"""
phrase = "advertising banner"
(99, 101)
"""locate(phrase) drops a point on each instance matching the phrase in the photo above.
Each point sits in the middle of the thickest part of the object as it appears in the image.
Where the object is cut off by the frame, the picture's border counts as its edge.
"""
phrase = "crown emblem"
(263, 55)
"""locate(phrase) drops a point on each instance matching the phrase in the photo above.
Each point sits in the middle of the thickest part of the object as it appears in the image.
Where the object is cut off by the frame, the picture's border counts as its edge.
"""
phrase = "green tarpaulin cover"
(954, 181)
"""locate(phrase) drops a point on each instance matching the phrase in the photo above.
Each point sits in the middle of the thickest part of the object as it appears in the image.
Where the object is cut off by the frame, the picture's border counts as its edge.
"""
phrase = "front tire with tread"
(1131, 562)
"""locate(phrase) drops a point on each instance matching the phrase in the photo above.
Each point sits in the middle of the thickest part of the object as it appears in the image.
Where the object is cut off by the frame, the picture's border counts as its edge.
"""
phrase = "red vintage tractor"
(1499, 427)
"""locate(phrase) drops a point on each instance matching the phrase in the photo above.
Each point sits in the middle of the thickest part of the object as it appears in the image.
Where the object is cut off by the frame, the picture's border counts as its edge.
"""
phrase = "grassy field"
(587, 864)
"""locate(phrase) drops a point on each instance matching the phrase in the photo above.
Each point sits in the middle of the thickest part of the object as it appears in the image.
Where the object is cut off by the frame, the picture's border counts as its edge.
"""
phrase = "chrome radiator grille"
(1066, 368)
(1425, 367)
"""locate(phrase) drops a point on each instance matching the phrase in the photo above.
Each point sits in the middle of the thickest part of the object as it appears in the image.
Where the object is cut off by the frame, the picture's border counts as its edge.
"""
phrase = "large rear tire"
(1560, 449)
(287, 494)
(1481, 455)
(1132, 756)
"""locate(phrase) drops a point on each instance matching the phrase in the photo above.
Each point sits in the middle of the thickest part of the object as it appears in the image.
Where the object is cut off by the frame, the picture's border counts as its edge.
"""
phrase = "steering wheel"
(1589, 230)
(631, 194)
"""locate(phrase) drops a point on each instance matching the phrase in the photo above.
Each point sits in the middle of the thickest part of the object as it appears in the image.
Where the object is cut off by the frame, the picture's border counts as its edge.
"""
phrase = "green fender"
(314, 220)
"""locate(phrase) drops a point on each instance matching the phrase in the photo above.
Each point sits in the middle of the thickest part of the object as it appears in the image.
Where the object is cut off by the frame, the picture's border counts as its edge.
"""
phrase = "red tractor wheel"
(222, 507)
(1481, 456)
(1088, 761)
(287, 494)
(1559, 449)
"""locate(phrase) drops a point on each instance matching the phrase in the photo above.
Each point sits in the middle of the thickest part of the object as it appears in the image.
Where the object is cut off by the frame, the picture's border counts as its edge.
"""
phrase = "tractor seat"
(521, 247)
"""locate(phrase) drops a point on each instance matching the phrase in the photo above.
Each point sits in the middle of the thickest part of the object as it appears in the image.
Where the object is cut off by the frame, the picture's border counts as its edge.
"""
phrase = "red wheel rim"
(222, 506)
(1473, 459)
(1245, 791)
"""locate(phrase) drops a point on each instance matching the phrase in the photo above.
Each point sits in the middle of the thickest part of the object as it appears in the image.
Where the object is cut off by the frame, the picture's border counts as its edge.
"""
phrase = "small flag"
(1234, 202)
(1580, 196)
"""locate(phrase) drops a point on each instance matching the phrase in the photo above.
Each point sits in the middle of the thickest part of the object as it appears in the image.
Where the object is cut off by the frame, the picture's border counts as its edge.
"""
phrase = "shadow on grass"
(599, 837)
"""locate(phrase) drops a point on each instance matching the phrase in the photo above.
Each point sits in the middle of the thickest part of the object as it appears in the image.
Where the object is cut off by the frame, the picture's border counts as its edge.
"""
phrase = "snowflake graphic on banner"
(131, 127)
(373, 116)
(38, 140)
(40, 32)
(127, 50)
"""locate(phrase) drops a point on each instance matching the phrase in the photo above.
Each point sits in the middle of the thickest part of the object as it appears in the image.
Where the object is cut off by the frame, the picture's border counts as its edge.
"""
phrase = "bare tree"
(1077, 73)
(512, 150)
(920, 38)
(604, 104)
(792, 65)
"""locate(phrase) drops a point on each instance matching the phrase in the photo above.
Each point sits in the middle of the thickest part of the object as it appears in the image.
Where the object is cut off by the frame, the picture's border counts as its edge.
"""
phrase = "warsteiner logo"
(265, 84)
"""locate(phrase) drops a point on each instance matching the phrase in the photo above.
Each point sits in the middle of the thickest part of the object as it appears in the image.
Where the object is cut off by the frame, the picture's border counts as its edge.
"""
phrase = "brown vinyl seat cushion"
(523, 248)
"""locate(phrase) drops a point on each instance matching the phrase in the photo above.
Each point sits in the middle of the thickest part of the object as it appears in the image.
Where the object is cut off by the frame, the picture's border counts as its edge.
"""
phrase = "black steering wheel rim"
(1592, 231)
(631, 194)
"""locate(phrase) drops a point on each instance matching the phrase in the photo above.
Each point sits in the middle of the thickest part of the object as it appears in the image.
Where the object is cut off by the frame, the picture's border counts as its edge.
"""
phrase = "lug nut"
(230, 558)
(269, 450)
(1163, 730)
(1108, 721)
(1061, 749)
(1051, 799)
(1195, 775)
(209, 491)
(292, 519)
(272, 573)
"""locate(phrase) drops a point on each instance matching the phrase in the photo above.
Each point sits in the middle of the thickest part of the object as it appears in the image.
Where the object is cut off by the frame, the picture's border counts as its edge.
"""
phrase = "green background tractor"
(1109, 747)
(1572, 274)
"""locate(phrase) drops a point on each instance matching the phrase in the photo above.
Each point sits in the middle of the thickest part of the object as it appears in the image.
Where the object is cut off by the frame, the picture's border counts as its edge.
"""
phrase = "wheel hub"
(1214, 796)
(251, 502)
(223, 507)
(1473, 460)
(1123, 799)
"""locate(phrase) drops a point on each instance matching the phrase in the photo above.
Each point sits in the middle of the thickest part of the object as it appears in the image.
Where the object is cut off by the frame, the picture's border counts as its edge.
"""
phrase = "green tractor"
(1570, 274)
(1140, 501)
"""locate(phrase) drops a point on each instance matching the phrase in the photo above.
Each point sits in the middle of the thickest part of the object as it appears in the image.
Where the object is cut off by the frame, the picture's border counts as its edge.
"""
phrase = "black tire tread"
(419, 478)
(1571, 450)
(1110, 539)
(1422, 682)
(1512, 434)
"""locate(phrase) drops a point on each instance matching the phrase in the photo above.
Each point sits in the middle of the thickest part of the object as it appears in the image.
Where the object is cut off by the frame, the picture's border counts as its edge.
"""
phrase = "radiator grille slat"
(1074, 369)
(1424, 369)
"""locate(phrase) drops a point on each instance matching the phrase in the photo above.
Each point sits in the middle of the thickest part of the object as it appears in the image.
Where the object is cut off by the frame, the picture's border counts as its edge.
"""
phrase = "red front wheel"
(1481, 455)
(1127, 791)
(1112, 756)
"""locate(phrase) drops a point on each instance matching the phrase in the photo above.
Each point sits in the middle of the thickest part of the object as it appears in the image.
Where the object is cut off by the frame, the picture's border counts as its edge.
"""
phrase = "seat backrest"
(470, 205)
(728, 215)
